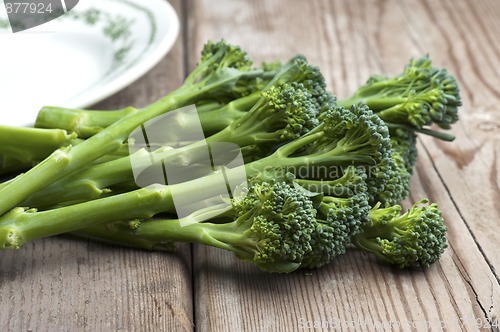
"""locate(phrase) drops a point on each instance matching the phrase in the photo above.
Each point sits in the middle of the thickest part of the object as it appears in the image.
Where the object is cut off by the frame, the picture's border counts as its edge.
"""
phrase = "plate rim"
(141, 67)
(165, 17)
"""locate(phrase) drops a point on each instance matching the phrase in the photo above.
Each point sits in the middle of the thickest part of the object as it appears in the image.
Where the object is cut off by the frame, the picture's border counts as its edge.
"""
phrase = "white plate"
(78, 59)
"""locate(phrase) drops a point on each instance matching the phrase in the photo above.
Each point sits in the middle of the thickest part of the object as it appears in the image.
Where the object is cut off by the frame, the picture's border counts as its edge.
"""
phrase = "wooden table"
(65, 284)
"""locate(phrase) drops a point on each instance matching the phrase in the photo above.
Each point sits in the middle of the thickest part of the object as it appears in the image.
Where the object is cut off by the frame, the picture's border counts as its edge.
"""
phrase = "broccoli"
(272, 226)
(420, 96)
(404, 144)
(342, 207)
(321, 173)
(414, 239)
(331, 219)
(356, 136)
(285, 112)
(22, 147)
(336, 141)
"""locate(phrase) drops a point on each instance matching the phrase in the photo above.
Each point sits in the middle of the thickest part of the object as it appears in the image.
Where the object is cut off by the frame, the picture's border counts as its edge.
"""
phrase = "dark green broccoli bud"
(343, 138)
(342, 209)
(404, 143)
(299, 70)
(442, 96)
(284, 113)
(279, 223)
(361, 138)
(398, 186)
(221, 54)
(404, 155)
(414, 239)
(417, 98)
(226, 66)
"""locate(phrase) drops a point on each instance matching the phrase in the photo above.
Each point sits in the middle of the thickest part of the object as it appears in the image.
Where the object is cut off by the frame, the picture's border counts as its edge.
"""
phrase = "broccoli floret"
(355, 136)
(404, 143)
(420, 96)
(414, 239)
(284, 113)
(404, 155)
(342, 209)
(398, 185)
(219, 63)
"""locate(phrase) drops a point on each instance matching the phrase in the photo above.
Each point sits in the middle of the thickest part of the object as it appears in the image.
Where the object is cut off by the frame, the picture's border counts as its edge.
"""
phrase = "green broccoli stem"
(368, 245)
(94, 181)
(20, 226)
(30, 145)
(214, 116)
(438, 134)
(67, 160)
(215, 120)
(377, 103)
(152, 234)
(83, 122)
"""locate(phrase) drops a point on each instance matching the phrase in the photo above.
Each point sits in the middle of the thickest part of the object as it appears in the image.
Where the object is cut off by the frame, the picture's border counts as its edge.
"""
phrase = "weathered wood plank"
(350, 40)
(66, 284)
(465, 40)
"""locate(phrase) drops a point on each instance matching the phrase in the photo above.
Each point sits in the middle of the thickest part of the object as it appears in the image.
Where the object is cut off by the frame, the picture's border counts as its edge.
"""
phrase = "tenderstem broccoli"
(331, 220)
(22, 147)
(271, 228)
(416, 238)
(342, 138)
(334, 142)
(342, 207)
(420, 96)
(321, 173)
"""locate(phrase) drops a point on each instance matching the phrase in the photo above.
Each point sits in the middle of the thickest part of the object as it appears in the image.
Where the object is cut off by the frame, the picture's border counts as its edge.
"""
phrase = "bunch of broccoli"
(322, 175)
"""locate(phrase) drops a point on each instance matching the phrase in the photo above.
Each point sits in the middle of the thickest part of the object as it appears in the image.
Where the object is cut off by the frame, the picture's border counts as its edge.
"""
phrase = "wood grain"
(66, 284)
(350, 40)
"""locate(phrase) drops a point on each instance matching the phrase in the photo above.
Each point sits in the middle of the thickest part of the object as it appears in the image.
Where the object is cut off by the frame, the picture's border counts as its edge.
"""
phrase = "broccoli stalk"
(20, 147)
(271, 226)
(414, 239)
(332, 144)
(417, 98)
(340, 205)
(213, 116)
(84, 123)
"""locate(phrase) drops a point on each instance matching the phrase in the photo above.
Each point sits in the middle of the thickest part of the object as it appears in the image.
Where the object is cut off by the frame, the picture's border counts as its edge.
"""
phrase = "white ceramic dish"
(78, 59)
